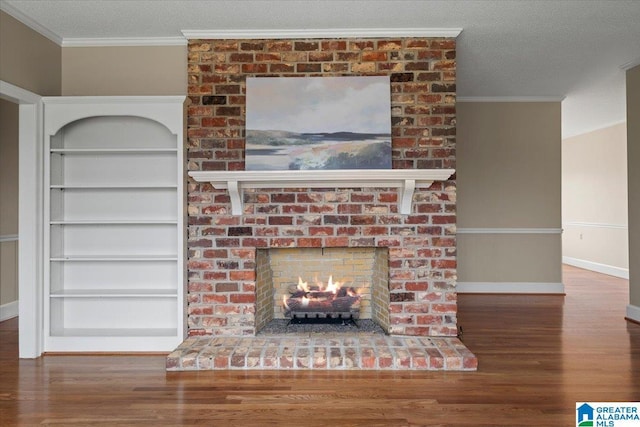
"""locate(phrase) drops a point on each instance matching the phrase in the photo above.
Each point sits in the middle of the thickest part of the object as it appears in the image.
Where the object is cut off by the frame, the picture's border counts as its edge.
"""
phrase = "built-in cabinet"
(114, 225)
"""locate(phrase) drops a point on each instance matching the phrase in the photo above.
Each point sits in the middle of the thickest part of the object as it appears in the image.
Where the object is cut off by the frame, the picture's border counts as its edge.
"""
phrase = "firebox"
(322, 285)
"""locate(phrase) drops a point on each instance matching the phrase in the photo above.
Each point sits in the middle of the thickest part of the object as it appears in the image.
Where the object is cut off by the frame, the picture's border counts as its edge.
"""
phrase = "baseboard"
(623, 273)
(8, 311)
(510, 288)
(633, 313)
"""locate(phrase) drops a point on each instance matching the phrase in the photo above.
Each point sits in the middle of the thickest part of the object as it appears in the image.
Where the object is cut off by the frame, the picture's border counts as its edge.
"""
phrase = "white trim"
(89, 41)
(510, 98)
(633, 312)
(8, 238)
(510, 288)
(629, 65)
(30, 230)
(509, 231)
(115, 99)
(86, 106)
(124, 41)
(114, 340)
(594, 224)
(30, 212)
(8, 311)
(611, 270)
(322, 33)
(16, 94)
(407, 180)
(229, 34)
(31, 23)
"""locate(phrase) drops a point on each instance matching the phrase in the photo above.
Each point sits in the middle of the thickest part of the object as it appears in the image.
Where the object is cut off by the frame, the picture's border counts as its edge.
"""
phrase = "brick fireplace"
(421, 245)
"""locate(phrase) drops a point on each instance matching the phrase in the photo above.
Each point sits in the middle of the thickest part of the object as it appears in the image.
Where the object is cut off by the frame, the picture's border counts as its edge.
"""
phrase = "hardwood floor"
(538, 356)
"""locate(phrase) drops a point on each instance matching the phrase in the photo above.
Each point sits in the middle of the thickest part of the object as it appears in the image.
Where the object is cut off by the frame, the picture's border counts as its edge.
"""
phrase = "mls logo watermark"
(607, 414)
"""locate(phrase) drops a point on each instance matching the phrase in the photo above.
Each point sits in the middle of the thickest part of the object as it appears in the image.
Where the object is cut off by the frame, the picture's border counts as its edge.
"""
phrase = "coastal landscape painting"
(318, 123)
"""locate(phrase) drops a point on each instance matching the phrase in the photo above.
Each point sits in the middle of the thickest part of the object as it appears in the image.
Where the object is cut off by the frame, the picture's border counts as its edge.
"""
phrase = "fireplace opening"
(324, 289)
(333, 302)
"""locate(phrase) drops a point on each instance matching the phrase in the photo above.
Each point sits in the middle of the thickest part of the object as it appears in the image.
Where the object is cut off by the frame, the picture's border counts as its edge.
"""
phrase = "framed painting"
(318, 123)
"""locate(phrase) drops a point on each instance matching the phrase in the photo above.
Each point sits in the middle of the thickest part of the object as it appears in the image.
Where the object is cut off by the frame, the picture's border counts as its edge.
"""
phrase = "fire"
(330, 299)
(331, 286)
(302, 285)
(304, 301)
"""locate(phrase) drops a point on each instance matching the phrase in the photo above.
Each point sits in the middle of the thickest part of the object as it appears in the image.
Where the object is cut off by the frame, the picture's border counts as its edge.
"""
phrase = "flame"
(302, 285)
(334, 297)
(331, 286)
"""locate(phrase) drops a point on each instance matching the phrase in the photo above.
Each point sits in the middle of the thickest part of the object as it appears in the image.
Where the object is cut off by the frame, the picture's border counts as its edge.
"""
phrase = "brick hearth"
(322, 351)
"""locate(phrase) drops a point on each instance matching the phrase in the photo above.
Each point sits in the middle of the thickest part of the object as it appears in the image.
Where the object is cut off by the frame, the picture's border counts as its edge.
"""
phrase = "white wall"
(594, 201)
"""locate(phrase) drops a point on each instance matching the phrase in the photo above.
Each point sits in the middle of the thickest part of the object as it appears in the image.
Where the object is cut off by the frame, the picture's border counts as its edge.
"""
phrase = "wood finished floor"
(538, 355)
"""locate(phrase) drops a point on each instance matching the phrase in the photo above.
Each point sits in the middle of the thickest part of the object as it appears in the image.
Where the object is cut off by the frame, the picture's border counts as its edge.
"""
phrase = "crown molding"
(630, 65)
(124, 41)
(26, 20)
(90, 42)
(322, 33)
(510, 98)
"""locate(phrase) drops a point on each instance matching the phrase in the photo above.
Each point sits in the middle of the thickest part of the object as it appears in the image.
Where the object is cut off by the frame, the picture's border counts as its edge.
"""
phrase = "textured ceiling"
(570, 49)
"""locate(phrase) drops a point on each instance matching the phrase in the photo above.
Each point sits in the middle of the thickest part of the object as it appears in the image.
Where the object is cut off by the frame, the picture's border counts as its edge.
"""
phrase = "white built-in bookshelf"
(114, 228)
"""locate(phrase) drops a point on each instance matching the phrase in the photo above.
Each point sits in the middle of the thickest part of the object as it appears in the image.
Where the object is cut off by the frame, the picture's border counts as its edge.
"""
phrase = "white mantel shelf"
(407, 180)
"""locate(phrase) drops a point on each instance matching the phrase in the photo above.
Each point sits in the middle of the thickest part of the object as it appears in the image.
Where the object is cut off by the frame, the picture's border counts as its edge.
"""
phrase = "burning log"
(342, 305)
(306, 299)
(321, 295)
(346, 304)
(322, 301)
(300, 305)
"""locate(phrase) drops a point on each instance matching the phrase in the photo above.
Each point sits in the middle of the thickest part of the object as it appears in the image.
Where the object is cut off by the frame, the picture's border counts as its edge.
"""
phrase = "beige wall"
(35, 63)
(124, 70)
(508, 171)
(594, 200)
(8, 168)
(8, 201)
(509, 258)
(633, 161)
(28, 59)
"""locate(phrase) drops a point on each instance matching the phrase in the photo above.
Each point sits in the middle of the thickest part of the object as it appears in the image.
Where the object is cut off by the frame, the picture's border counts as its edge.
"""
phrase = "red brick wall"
(221, 247)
